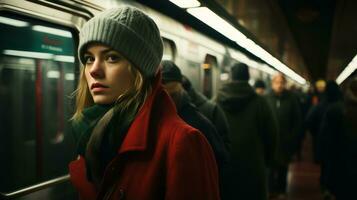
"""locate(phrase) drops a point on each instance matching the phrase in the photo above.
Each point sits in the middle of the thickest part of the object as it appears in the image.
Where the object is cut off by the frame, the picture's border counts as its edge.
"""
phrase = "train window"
(209, 65)
(169, 50)
(192, 71)
(37, 76)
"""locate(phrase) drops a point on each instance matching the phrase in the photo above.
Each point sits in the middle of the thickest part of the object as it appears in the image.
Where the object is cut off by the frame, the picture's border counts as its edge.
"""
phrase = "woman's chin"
(99, 99)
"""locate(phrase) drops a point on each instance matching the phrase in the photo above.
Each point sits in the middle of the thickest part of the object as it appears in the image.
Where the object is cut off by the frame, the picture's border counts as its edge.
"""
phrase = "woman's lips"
(98, 87)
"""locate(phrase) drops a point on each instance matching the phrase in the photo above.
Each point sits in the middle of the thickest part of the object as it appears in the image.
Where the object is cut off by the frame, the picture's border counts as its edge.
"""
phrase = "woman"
(131, 143)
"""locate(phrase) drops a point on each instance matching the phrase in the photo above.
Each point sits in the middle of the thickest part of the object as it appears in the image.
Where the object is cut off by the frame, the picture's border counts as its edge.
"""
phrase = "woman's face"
(107, 74)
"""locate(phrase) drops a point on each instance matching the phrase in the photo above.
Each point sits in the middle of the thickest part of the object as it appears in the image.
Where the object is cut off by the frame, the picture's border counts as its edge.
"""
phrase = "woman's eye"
(113, 58)
(88, 59)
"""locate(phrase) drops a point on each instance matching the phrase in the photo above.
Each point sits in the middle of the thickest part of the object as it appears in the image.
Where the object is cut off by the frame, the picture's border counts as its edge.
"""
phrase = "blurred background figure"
(209, 109)
(172, 81)
(314, 117)
(253, 135)
(320, 86)
(287, 110)
(313, 123)
(339, 145)
(304, 104)
(259, 86)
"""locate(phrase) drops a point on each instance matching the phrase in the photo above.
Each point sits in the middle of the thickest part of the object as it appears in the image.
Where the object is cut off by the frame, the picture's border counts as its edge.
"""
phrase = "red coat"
(161, 158)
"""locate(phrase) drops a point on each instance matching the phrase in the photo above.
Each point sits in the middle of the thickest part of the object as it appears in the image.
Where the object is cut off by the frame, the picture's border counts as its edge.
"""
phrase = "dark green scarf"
(83, 128)
(99, 135)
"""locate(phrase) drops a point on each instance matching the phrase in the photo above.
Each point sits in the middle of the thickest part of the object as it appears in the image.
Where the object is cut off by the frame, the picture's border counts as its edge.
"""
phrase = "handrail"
(34, 188)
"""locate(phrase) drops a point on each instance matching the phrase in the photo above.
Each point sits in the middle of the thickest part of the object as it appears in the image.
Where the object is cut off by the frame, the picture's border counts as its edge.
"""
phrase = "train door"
(210, 78)
(37, 79)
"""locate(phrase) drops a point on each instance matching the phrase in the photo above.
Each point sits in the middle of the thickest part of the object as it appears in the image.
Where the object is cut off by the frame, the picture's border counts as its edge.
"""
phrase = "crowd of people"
(144, 132)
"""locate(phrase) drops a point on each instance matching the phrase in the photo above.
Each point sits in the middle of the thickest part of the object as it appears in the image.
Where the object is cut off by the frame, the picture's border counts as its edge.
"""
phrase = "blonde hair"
(132, 98)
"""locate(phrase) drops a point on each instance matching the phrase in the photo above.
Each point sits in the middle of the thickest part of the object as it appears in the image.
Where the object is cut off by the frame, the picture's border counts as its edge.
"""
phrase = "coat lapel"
(137, 136)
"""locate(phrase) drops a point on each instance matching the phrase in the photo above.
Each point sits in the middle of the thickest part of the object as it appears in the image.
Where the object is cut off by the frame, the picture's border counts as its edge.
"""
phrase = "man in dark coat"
(287, 110)
(209, 109)
(171, 78)
(339, 144)
(253, 135)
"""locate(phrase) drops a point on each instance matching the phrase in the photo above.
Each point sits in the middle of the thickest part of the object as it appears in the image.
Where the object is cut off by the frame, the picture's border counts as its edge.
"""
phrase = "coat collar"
(138, 133)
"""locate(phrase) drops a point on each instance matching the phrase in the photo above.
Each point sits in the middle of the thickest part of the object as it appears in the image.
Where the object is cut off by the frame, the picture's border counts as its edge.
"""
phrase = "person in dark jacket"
(313, 123)
(339, 144)
(259, 87)
(209, 109)
(172, 81)
(314, 117)
(287, 110)
(253, 135)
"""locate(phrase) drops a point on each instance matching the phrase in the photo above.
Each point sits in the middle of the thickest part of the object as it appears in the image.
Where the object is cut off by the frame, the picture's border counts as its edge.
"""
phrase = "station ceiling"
(316, 38)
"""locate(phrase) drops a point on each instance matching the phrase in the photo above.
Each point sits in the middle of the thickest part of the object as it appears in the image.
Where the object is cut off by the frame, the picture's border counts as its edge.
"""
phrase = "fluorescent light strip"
(62, 58)
(244, 59)
(222, 26)
(13, 22)
(39, 55)
(213, 20)
(53, 31)
(351, 67)
(28, 54)
(186, 3)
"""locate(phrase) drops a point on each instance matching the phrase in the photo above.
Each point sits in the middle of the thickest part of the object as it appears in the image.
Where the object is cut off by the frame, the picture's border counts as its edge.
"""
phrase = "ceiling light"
(257, 65)
(186, 3)
(213, 20)
(210, 18)
(351, 67)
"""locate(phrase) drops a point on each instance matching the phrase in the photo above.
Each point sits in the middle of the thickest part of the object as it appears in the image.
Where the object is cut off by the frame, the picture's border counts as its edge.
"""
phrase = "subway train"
(38, 75)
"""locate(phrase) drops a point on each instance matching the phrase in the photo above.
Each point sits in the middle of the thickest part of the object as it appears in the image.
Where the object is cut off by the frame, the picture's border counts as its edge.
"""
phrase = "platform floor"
(303, 176)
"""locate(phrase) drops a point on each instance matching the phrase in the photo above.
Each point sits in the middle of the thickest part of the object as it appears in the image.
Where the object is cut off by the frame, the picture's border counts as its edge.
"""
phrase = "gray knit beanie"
(128, 31)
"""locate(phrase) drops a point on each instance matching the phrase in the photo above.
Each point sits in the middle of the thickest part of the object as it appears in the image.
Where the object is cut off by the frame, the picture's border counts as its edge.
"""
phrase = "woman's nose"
(96, 70)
